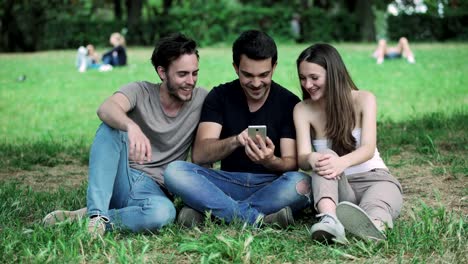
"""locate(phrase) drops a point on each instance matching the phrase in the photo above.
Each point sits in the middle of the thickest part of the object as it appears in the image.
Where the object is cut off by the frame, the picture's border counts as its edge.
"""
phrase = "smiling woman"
(336, 139)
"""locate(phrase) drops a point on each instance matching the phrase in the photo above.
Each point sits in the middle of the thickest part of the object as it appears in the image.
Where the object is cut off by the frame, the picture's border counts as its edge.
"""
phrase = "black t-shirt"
(121, 56)
(226, 105)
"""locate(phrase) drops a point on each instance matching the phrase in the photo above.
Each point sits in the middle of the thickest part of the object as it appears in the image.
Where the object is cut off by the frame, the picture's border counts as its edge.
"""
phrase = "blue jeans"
(110, 59)
(237, 195)
(127, 197)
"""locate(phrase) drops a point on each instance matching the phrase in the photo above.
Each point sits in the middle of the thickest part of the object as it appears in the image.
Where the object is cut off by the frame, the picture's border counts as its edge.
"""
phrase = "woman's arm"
(368, 111)
(306, 158)
(333, 166)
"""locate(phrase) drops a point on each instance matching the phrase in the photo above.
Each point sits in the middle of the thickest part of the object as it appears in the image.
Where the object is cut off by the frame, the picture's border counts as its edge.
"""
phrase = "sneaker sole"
(357, 222)
(323, 233)
(60, 216)
(289, 217)
(322, 236)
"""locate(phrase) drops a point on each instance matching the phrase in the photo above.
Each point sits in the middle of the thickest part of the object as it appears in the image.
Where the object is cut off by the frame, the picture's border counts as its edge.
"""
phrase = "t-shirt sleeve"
(132, 91)
(289, 130)
(212, 110)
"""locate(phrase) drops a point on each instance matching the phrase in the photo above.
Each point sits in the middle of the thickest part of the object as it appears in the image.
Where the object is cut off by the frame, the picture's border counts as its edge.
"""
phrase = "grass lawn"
(48, 121)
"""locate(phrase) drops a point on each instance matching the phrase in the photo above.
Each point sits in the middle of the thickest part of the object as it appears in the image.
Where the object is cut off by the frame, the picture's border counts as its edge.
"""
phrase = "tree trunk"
(167, 4)
(134, 8)
(366, 20)
(118, 9)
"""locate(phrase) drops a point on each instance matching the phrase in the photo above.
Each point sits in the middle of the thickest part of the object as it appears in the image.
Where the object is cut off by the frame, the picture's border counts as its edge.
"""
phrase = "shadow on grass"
(428, 135)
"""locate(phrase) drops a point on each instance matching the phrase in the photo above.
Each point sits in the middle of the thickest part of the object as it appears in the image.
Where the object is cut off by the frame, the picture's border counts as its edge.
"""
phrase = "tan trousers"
(377, 192)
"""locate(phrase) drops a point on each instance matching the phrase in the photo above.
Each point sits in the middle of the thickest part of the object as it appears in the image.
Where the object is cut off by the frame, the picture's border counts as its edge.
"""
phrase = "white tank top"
(375, 162)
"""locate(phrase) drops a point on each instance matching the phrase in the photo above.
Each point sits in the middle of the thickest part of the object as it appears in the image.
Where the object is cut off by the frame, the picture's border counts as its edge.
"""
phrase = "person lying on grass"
(336, 139)
(145, 127)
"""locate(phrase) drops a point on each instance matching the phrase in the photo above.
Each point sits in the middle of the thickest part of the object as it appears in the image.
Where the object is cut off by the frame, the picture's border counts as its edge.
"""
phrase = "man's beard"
(173, 92)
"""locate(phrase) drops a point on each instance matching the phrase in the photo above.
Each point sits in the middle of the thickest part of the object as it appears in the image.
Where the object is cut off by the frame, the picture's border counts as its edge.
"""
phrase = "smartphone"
(257, 130)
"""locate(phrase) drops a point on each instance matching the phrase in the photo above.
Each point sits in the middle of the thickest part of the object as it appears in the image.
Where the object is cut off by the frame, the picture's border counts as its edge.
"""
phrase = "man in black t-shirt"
(258, 181)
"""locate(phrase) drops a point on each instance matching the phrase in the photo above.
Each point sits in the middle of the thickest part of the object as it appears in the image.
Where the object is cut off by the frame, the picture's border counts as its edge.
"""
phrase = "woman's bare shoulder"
(362, 97)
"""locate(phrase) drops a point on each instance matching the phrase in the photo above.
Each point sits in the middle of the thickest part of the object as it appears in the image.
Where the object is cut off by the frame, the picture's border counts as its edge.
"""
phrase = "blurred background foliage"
(31, 25)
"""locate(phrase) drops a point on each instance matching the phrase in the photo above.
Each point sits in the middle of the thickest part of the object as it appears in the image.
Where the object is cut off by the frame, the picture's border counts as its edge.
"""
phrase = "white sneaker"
(82, 50)
(97, 225)
(329, 229)
(105, 68)
(411, 59)
(380, 60)
(61, 215)
(82, 66)
(358, 222)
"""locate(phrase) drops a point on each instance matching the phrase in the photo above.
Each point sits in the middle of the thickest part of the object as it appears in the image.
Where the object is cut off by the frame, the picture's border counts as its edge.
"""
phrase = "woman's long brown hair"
(339, 109)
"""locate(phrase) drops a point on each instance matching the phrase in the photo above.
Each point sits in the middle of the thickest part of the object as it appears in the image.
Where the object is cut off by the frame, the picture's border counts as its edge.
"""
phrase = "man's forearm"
(282, 164)
(114, 116)
(212, 150)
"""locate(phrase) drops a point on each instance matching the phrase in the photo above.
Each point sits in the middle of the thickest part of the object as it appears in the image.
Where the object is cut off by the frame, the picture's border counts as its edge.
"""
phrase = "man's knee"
(303, 187)
(159, 213)
(106, 131)
(173, 170)
(302, 182)
(382, 43)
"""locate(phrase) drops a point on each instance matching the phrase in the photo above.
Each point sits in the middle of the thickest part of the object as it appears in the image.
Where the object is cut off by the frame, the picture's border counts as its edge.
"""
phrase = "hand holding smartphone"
(253, 131)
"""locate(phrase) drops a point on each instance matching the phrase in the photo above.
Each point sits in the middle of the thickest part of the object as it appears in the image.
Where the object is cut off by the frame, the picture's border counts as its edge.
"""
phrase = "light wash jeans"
(237, 195)
(127, 197)
(83, 58)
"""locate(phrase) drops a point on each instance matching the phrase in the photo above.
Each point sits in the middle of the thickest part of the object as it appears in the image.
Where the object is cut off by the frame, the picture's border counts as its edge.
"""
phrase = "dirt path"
(419, 182)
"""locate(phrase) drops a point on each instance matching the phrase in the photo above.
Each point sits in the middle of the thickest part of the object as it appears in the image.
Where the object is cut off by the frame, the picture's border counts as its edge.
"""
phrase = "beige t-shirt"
(170, 137)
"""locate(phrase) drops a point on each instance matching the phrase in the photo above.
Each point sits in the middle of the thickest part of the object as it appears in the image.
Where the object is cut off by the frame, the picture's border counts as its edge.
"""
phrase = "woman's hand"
(330, 166)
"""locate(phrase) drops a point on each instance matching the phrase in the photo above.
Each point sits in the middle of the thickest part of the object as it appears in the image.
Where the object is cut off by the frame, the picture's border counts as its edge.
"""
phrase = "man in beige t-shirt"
(145, 127)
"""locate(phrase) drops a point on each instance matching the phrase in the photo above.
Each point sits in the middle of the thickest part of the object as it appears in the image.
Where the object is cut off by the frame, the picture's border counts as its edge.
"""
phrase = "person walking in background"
(402, 49)
(145, 127)
(296, 28)
(336, 139)
(258, 181)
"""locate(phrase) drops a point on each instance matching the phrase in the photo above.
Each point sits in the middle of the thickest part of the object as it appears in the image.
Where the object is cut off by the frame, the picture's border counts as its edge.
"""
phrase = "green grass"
(430, 233)
(49, 120)
(56, 102)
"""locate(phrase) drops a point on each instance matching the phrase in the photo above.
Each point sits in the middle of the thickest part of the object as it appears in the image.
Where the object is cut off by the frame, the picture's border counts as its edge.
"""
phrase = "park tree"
(362, 9)
(22, 21)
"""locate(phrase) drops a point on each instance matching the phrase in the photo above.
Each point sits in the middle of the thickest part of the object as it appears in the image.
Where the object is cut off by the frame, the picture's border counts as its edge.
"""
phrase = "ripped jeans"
(237, 195)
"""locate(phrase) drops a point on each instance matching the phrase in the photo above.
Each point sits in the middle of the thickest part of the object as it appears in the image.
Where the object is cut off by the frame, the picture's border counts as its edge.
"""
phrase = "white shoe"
(358, 222)
(411, 60)
(379, 61)
(82, 67)
(97, 226)
(329, 229)
(105, 68)
(82, 50)
(61, 215)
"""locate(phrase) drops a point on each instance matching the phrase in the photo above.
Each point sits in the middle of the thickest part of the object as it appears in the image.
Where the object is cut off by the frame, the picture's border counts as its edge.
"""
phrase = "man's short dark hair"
(170, 48)
(256, 45)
